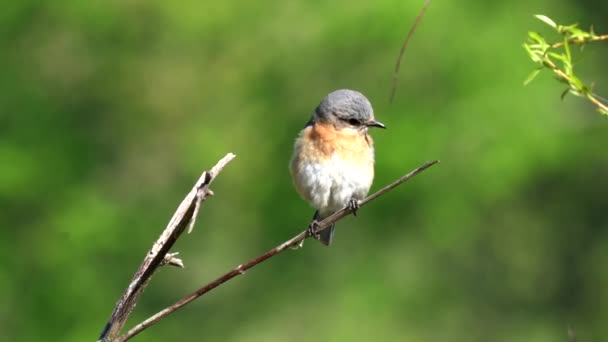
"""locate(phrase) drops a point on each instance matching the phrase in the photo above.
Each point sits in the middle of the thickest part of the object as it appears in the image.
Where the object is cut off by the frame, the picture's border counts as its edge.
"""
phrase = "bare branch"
(184, 216)
(240, 269)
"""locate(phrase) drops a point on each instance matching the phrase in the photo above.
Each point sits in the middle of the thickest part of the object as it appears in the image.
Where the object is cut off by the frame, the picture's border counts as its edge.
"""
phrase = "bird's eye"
(353, 122)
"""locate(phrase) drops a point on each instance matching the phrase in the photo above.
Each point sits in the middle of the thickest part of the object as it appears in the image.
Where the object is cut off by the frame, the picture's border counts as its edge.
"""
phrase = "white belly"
(330, 184)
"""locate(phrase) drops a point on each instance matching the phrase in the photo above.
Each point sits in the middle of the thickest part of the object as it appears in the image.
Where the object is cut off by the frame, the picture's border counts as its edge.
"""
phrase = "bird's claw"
(354, 205)
(313, 229)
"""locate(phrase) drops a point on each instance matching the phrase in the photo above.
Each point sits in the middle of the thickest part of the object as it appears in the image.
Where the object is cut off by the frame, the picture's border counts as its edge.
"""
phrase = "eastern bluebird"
(333, 159)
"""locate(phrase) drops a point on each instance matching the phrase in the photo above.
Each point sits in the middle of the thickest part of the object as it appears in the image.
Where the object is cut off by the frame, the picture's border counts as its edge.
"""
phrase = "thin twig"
(402, 51)
(184, 217)
(581, 41)
(240, 269)
(560, 74)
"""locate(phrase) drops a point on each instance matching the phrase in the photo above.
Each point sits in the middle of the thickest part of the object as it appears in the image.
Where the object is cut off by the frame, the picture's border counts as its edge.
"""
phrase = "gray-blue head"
(346, 108)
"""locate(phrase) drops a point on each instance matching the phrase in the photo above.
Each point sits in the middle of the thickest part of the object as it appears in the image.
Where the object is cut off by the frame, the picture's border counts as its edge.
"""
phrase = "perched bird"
(333, 159)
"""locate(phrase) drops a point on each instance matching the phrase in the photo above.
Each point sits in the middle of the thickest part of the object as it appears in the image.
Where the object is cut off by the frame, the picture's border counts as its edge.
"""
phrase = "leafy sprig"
(557, 57)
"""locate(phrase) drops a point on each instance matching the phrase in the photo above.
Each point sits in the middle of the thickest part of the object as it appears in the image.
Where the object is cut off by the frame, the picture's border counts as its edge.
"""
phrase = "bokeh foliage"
(110, 110)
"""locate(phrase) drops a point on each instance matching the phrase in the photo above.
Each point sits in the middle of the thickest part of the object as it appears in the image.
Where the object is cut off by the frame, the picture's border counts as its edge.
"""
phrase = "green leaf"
(578, 34)
(558, 56)
(534, 36)
(546, 20)
(577, 85)
(534, 55)
(532, 76)
(568, 29)
(568, 64)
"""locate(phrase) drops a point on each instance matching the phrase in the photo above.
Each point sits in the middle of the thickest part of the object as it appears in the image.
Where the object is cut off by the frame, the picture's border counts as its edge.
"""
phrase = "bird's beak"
(375, 123)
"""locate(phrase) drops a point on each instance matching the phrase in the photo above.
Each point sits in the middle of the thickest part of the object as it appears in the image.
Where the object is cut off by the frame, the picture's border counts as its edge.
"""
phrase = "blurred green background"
(110, 110)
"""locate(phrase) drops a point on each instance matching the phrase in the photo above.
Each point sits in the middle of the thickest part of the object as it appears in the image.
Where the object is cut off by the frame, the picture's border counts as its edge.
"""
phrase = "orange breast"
(322, 141)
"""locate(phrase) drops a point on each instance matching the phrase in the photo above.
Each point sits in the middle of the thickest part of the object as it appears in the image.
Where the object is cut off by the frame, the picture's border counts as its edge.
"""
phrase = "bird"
(332, 166)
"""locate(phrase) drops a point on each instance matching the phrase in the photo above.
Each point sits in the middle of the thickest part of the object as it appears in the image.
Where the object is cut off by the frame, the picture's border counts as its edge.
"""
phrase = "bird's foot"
(313, 229)
(354, 205)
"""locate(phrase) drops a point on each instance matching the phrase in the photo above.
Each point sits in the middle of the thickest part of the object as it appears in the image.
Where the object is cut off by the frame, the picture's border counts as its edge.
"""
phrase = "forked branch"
(240, 269)
(159, 255)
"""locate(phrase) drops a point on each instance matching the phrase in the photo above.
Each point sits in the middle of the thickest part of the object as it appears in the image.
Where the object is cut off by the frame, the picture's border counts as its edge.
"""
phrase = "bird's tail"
(326, 236)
